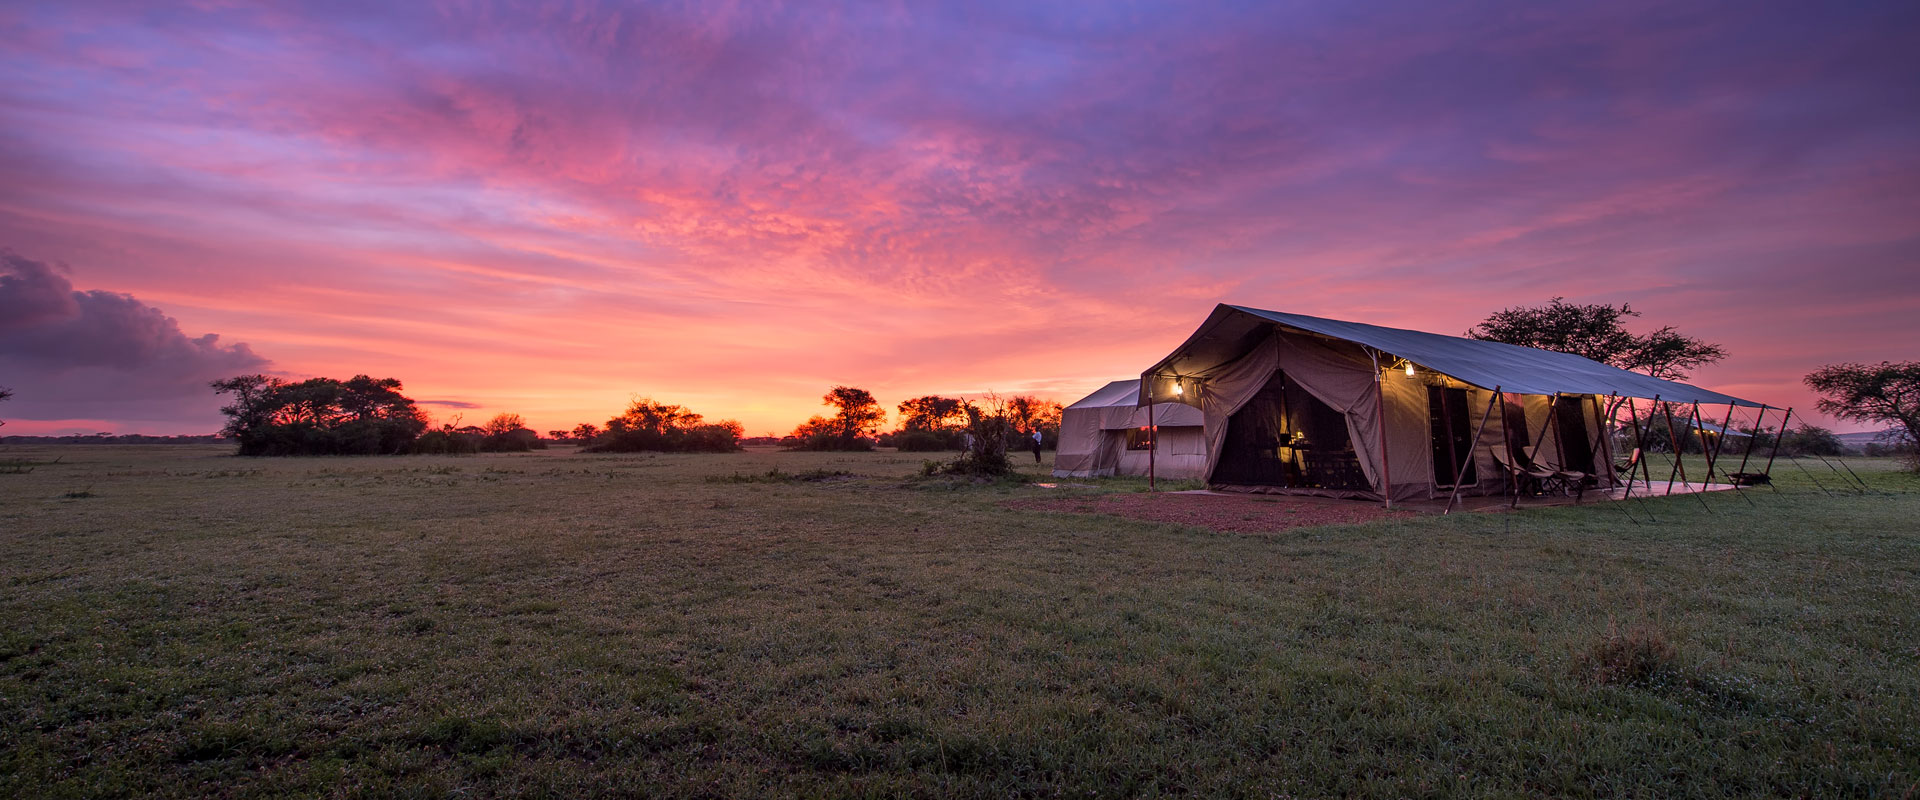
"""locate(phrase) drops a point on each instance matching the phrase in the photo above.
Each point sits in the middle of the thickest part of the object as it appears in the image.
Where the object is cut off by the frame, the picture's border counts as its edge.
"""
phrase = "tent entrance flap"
(1452, 435)
(1285, 437)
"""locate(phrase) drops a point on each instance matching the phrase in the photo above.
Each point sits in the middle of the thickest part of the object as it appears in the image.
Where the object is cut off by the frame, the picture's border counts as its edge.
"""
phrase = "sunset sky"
(549, 208)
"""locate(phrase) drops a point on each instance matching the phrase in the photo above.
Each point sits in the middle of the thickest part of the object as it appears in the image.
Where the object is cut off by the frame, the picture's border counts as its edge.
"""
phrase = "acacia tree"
(1886, 393)
(1597, 332)
(930, 423)
(931, 413)
(319, 416)
(648, 424)
(4, 394)
(1030, 414)
(858, 416)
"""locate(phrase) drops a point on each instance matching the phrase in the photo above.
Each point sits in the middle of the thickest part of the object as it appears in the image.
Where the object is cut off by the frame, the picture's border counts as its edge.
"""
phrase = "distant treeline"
(370, 416)
(107, 438)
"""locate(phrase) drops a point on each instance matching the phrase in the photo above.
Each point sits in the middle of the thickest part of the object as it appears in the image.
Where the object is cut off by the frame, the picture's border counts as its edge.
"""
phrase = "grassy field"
(179, 623)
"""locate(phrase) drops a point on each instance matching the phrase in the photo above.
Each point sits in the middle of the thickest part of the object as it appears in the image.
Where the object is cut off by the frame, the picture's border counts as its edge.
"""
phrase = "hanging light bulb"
(1409, 369)
(1178, 390)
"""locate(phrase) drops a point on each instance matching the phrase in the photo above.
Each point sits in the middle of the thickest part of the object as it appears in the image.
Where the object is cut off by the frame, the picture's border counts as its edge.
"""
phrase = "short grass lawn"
(182, 623)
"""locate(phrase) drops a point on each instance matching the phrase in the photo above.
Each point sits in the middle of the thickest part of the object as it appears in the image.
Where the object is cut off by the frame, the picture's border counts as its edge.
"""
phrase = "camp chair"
(1629, 465)
(1567, 481)
(1527, 477)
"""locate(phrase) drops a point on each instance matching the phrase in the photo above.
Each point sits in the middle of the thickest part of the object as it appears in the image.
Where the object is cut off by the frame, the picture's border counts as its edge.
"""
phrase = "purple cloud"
(101, 355)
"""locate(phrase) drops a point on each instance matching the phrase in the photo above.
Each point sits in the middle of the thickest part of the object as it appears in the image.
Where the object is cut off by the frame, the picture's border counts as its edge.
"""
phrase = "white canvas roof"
(1126, 395)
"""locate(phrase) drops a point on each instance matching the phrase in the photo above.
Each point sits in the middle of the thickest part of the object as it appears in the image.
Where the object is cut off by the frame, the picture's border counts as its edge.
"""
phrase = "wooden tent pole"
(1776, 447)
(1474, 445)
(1380, 393)
(1153, 439)
(1726, 427)
(1680, 467)
(1506, 441)
(1640, 444)
(1559, 437)
(1707, 448)
(1751, 441)
(1674, 440)
(1539, 439)
(1606, 435)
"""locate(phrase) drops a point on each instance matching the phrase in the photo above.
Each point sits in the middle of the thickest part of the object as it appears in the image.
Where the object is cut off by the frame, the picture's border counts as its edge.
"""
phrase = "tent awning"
(1231, 331)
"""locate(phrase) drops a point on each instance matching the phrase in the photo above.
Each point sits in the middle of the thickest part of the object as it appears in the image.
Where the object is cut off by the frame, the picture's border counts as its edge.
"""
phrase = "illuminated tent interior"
(1107, 433)
(1294, 404)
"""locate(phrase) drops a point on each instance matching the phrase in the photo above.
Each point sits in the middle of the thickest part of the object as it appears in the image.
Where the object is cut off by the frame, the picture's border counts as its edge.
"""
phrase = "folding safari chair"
(1568, 481)
(1526, 477)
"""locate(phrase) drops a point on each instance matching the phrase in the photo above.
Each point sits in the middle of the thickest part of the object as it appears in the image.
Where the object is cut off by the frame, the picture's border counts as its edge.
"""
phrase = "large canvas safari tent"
(1298, 404)
(1110, 433)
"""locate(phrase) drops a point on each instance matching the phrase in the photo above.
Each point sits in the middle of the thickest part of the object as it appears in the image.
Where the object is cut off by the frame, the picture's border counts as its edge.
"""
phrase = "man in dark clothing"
(1036, 447)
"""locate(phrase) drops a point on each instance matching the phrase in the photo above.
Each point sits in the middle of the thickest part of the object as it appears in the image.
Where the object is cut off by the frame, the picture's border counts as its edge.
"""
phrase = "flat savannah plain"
(182, 623)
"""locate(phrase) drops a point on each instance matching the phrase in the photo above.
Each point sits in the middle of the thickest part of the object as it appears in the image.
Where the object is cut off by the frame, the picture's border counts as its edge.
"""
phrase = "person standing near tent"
(1036, 447)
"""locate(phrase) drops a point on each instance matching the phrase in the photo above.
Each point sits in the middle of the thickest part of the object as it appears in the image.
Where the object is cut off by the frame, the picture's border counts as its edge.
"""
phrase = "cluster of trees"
(1598, 332)
(648, 425)
(856, 419)
(358, 416)
(928, 423)
(319, 416)
(1887, 393)
(505, 433)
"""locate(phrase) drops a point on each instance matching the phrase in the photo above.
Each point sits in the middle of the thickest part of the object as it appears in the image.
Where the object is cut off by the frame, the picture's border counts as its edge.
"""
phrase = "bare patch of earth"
(1229, 513)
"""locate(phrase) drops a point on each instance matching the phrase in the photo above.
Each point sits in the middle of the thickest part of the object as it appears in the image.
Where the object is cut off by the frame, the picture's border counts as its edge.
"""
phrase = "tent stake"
(1475, 445)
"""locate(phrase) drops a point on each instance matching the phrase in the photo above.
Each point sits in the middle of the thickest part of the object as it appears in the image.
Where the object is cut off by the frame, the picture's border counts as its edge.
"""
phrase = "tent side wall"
(1081, 441)
(1181, 453)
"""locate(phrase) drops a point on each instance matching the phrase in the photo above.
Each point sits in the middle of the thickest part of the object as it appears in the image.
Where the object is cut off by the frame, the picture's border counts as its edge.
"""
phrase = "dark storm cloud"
(103, 355)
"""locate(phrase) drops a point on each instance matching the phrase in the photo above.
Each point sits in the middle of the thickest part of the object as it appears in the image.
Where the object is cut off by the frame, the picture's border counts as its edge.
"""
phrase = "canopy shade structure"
(1231, 331)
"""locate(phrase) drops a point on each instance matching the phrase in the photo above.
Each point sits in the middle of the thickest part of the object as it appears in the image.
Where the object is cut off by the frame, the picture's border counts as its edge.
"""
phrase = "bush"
(829, 441)
(985, 455)
(710, 438)
(1638, 657)
(925, 441)
(446, 442)
(518, 440)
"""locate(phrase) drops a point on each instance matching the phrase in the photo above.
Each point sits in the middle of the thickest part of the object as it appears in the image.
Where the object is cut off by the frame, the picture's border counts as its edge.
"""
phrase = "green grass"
(817, 624)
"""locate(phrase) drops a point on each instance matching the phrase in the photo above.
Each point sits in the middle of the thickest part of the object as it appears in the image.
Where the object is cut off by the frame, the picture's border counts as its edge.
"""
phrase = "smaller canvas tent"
(1105, 433)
